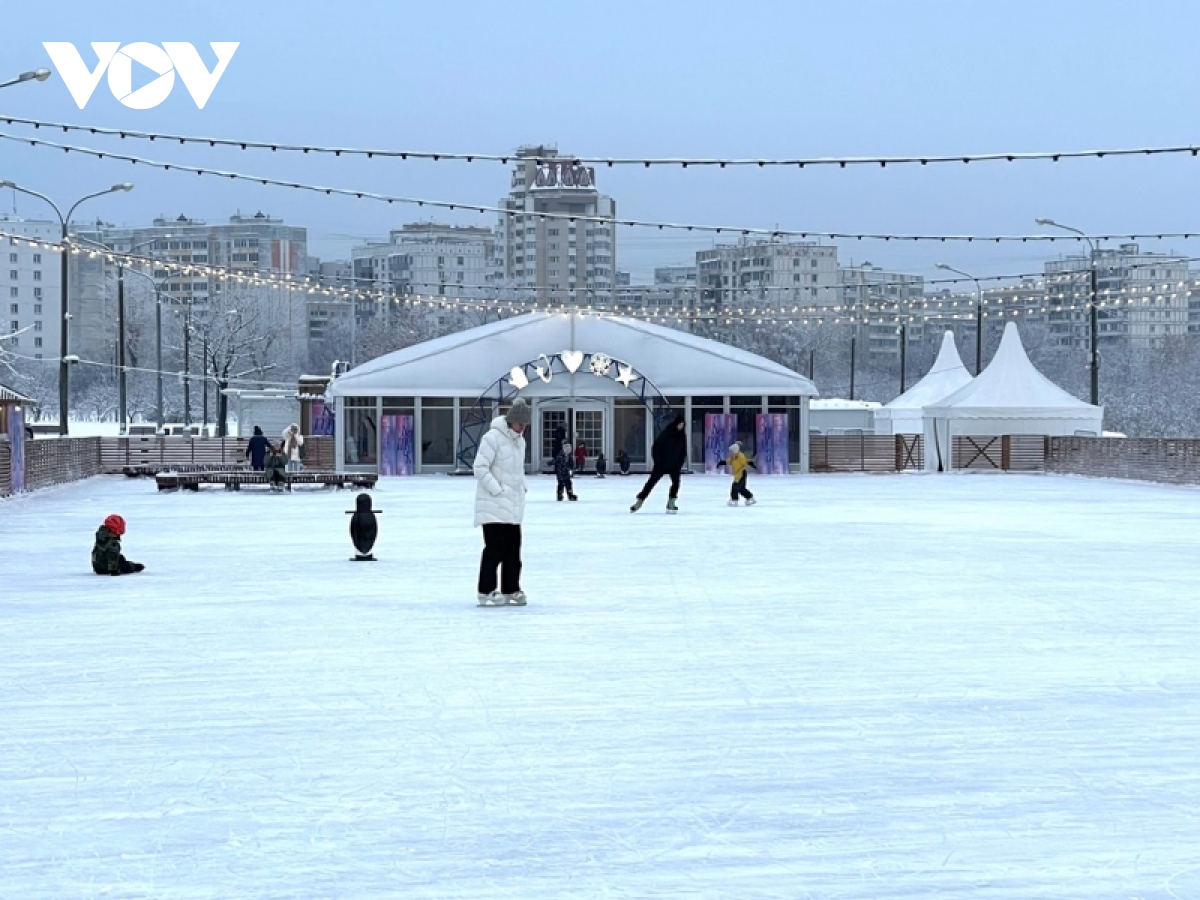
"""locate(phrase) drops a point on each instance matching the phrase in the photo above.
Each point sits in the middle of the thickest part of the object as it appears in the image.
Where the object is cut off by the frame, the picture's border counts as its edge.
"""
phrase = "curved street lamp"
(34, 75)
(64, 392)
(1093, 322)
(978, 314)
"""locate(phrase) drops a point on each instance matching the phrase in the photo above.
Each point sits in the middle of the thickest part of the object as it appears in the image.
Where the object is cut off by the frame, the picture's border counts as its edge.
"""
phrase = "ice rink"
(864, 687)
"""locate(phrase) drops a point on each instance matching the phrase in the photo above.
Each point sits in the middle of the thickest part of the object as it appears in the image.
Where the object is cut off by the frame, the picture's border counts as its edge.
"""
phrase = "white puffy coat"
(500, 476)
(293, 440)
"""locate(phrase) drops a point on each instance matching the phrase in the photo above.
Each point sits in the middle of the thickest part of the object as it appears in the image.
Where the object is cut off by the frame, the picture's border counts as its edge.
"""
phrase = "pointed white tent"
(1010, 396)
(905, 414)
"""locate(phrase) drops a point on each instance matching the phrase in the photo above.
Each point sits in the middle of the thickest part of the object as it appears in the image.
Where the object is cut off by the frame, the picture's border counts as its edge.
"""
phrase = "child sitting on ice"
(737, 465)
(106, 552)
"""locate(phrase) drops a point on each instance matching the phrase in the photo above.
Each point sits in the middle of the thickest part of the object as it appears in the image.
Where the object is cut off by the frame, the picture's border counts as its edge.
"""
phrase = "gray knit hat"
(519, 413)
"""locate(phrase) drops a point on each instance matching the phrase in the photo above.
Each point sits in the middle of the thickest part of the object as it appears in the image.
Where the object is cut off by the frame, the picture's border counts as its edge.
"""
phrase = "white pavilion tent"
(1010, 396)
(439, 382)
(906, 414)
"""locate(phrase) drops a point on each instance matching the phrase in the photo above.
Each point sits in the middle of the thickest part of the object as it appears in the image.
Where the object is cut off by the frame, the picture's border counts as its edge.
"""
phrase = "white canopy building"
(600, 379)
(906, 414)
(1010, 396)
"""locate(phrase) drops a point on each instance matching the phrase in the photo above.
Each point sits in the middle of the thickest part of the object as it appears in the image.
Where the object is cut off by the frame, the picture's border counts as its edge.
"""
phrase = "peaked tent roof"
(1011, 387)
(945, 376)
(469, 362)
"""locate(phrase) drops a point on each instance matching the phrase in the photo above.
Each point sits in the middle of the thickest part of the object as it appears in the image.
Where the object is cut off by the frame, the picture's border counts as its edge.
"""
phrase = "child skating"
(738, 465)
(562, 472)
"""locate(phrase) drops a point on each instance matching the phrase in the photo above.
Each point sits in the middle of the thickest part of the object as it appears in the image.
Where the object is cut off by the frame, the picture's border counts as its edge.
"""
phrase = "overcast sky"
(657, 78)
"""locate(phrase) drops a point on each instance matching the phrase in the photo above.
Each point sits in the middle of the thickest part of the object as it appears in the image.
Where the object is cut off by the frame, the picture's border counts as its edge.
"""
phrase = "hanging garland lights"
(888, 312)
(596, 220)
(841, 162)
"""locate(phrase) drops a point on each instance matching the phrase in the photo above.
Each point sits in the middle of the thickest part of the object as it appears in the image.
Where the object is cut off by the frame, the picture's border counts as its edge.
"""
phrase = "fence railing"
(1169, 460)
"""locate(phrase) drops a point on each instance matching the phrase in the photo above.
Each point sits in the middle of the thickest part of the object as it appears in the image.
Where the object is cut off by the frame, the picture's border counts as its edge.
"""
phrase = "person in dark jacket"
(623, 461)
(106, 552)
(601, 465)
(562, 471)
(277, 472)
(668, 454)
(256, 450)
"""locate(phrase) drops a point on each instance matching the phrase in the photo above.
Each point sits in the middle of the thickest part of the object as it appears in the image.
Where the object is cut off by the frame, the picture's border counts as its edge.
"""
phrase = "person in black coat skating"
(669, 454)
(256, 450)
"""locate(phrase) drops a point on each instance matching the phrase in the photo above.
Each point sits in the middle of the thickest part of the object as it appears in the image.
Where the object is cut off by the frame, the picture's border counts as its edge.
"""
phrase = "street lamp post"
(34, 75)
(978, 314)
(64, 390)
(158, 286)
(1093, 319)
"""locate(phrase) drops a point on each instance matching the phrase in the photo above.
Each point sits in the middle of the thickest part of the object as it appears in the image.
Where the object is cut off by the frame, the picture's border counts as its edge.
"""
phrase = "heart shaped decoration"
(572, 359)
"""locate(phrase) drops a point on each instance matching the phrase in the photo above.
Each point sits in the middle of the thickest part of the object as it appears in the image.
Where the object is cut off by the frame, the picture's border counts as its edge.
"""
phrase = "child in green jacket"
(106, 552)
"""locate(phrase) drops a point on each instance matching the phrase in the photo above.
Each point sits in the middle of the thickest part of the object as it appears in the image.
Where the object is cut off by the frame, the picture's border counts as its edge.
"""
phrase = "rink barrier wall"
(906, 452)
(51, 461)
(1167, 460)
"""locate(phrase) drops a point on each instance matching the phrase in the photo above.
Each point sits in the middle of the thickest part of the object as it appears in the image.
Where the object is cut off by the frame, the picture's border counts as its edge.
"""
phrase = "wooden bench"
(233, 480)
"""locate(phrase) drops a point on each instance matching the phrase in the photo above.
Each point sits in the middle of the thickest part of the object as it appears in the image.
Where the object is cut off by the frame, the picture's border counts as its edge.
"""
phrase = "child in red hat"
(106, 554)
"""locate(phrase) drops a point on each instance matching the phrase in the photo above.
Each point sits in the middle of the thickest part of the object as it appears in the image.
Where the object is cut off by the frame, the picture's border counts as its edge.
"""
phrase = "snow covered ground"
(863, 687)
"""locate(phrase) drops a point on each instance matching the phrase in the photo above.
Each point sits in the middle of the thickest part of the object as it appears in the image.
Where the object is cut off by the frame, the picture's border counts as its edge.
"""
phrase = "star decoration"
(600, 364)
(625, 374)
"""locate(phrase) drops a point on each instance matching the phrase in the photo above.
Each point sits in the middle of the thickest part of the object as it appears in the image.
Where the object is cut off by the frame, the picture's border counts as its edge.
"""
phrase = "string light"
(840, 162)
(597, 220)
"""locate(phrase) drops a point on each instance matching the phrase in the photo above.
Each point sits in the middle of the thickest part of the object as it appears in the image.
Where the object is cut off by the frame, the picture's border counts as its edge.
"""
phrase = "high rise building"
(1142, 297)
(883, 299)
(559, 259)
(756, 272)
(31, 293)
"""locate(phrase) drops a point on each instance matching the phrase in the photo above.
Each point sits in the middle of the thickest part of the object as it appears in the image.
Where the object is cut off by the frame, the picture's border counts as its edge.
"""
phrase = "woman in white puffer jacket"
(500, 505)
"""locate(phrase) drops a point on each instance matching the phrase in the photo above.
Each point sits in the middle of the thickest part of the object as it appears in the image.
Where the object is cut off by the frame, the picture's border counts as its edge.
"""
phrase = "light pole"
(64, 388)
(1093, 321)
(35, 75)
(158, 286)
(978, 313)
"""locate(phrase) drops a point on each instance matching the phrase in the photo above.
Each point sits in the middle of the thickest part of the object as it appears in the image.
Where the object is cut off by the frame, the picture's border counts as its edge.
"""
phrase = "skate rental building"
(608, 382)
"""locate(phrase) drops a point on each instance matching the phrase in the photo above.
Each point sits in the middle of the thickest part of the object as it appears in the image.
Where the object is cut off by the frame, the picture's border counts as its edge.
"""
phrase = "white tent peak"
(945, 376)
(1011, 381)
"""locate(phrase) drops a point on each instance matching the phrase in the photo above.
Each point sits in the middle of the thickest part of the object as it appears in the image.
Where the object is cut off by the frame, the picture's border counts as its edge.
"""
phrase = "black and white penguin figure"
(363, 528)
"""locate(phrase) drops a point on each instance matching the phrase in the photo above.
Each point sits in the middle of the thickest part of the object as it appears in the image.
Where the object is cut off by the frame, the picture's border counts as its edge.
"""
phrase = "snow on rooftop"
(862, 687)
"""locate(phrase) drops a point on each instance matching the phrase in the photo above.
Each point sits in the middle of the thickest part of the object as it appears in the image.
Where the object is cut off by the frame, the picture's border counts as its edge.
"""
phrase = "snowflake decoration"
(600, 364)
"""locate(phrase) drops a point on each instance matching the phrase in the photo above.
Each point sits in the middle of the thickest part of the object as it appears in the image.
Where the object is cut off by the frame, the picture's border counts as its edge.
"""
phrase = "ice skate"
(751, 501)
(671, 507)
(517, 599)
(637, 504)
(734, 503)
(572, 497)
(495, 598)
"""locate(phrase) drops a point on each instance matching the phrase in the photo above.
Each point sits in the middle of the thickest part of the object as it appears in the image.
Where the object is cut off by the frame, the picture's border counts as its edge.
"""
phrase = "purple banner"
(395, 445)
(771, 432)
(720, 431)
(16, 438)
(322, 418)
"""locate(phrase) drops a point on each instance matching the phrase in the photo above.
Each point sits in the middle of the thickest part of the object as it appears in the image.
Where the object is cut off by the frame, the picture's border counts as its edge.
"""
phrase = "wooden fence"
(1168, 460)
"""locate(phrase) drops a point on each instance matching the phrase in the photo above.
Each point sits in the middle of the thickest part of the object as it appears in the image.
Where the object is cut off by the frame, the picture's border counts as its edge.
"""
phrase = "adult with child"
(668, 454)
(500, 506)
(277, 468)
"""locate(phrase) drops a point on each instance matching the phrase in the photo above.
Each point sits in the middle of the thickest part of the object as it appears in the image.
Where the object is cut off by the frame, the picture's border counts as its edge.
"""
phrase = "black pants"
(124, 567)
(739, 489)
(501, 548)
(564, 485)
(655, 477)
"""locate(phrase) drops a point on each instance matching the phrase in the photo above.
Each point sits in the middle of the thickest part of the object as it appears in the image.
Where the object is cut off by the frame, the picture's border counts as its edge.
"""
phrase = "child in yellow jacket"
(738, 466)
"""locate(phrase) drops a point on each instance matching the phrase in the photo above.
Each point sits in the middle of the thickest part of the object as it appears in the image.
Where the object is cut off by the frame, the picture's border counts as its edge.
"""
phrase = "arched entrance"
(575, 411)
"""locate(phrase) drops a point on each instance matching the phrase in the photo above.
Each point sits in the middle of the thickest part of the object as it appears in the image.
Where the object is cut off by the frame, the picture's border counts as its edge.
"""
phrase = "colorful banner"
(16, 438)
(771, 433)
(322, 418)
(395, 445)
(720, 431)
